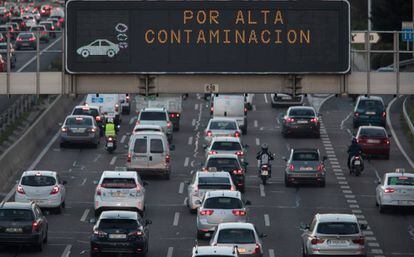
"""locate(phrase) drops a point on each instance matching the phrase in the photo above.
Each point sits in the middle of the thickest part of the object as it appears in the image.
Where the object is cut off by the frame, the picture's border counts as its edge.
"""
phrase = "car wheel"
(303, 252)
(193, 211)
(58, 210)
(94, 254)
(97, 212)
(322, 183)
(273, 105)
(244, 130)
(287, 183)
(45, 239)
(62, 145)
(39, 247)
(381, 208)
(63, 204)
(110, 53)
(85, 53)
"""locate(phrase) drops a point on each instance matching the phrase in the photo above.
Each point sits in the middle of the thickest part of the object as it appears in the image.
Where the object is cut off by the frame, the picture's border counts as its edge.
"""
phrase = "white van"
(149, 153)
(230, 106)
(110, 105)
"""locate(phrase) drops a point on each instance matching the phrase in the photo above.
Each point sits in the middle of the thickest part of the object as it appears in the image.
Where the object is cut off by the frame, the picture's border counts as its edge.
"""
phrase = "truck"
(172, 103)
(230, 106)
(110, 105)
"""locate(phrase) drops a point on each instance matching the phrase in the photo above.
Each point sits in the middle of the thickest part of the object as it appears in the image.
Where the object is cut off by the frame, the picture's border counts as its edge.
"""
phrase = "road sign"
(207, 37)
(359, 38)
(408, 31)
(211, 88)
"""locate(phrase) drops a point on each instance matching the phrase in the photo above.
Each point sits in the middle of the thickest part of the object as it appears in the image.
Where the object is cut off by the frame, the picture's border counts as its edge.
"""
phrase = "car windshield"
(153, 116)
(86, 111)
(25, 36)
(121, 224)
(118, 183)
(226, 146)
(236, 236)
(338, 228)
(370, 104)
(305, 156)
(401, 181)
(370, 132)
(226, 203)
(216, 183)
(223, 163)
(223, 125)
(15, 215)
(302, 113)
(38, 181)
(78, 122)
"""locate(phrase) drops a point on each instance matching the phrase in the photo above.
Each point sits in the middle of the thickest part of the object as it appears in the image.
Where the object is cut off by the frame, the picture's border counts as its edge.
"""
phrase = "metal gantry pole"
(368, 46)
(63, 37)
(37, 64)
(8, 56)
(397, 59)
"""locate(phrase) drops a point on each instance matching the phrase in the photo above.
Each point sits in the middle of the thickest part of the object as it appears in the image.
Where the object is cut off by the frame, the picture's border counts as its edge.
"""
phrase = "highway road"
(276, 210)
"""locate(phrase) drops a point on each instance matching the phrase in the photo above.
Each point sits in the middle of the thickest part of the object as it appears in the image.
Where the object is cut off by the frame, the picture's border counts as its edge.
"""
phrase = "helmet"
(110, 120)
(265, 146)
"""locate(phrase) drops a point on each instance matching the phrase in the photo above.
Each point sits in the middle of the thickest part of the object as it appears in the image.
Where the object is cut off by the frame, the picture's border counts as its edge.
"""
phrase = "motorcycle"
(264, 173)
(110, 145)
(357, 165)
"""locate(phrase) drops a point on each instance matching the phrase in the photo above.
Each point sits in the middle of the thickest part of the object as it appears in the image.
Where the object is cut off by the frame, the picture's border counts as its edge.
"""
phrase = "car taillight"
(138, 189)
(61, 20)
(206, 212)
(100, 233)
(238, 171)
(98, 118)
(289, 120)
(232, 188)
(93, 130)
(245, 110)
(316, 241)
(314, 120)
(356, 114)
(116, 107)
(358, 140)
(320, 167)
(55, 190)
(35, 226)
(360, 241)
(257, 249)
(386, 141)
(384, 114)
(291, 167)
(98, 190)
(265, 167)
(129, 158)
(211, 109)
(239, 213)
(237, 134)
(110, 139)
(389, 190)
(169, 124)
(136, 233)
(32, 39)
(212, 152)
(172, 115)
(167, 158)
(195, 188)
(127, 98)
(240, 153)
(52, 28)
(19, 40)
(209, 133)
(20, 190)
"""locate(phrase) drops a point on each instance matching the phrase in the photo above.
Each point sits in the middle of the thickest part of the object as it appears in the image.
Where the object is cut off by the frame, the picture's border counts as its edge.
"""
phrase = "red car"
(374, 140)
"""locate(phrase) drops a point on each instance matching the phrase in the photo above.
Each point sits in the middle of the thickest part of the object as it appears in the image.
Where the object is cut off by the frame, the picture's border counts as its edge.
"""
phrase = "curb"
(407, 118)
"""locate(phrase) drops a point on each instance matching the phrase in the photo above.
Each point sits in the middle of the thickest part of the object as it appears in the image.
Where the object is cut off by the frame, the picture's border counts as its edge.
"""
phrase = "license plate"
(117, 194)
(337, 242)
(302, 122)
(370, 113)
(117, 236)
(110, 144)
(404, 202)
(357, 162)
(265, 172)
(14, 230)
(304, 175)
(306, 168)
(241, 250)
(373, 141)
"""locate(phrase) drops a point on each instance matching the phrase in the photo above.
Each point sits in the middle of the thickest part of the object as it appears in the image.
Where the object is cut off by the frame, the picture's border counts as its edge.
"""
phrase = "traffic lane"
(335, 113)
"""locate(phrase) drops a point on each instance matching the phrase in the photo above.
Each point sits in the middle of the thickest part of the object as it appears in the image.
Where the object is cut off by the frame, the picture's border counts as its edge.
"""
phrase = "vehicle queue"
(215, 193)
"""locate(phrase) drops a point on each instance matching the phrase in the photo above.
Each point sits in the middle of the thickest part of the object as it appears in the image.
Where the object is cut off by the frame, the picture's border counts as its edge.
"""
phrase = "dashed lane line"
(193, 122)
(181, 188)
(66, 252)
(255, 123)
(123, 139)
(132, 120)
(190, 140)
(85, 215)
(176, 219)
(267, 220)
(170, 251)
(84, 181)
(113, 160)
(186, 161)
(265, 98)
(271, 253)
(262, 190)
(257, 141)
(196, 107)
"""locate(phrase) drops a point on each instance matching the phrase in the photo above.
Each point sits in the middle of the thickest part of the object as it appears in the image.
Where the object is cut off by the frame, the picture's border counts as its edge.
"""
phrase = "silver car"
(156, 116)
(395, 189)
(227, 145)
(204, 182)
(244, 236)
(79, 129)
(221, 127)
(218, 207)
(333, 234)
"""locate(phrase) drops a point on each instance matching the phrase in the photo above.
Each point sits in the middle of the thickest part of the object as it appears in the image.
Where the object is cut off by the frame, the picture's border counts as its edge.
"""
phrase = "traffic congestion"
(187, 175)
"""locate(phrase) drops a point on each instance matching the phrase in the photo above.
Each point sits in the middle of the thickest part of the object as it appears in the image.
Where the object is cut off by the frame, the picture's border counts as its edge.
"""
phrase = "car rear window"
(308, 156)
(236, 236)
(140, 145)
(338, 228)
(370, 104)
(38, 181)
(223, 125)
(226, 203)
(118, 183)
(156, 146)
(371, 132)
(15, 215)
(223, 163)
(226, 146)
(25, 35)
(79, 122)
(401, 181)
(217, 183)
(302, 112)
(121, 224)
(147, 129)
(153, 116)
(86, 111)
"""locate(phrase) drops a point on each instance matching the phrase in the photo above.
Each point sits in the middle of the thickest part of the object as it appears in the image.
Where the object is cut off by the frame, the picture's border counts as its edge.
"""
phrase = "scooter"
(357, 165)
(110, 145)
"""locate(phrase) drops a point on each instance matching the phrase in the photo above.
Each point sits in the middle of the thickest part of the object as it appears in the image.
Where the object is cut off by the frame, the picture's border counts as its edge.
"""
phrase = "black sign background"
(327, 51)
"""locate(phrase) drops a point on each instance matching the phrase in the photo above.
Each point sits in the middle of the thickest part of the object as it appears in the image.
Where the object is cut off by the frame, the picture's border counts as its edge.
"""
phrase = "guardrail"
(15, 111)
(407, 117)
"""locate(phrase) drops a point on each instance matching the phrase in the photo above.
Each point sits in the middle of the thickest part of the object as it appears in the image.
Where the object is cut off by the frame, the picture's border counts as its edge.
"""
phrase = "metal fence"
(16, 110)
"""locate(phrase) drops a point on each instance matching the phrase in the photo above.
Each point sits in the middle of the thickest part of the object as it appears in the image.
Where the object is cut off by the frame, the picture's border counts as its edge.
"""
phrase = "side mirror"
(198, 202)
(245, 164)
(303, 226)
(363, 226)
(60, 124)
(263, 235)
(246, 146)
(378, 182)
(126, 147)
(148, 222)
(205, 146)
(319, 114)
(389, 135)
(172, 147)
(187, 182)
(145, 183)
(64, 182)
(324, 158)
(248, 203)
(92, 221)
(284, 158)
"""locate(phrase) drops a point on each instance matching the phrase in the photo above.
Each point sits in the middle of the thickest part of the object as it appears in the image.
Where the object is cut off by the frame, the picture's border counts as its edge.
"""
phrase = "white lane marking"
(176, 219)
(271, 253)
(367, 233)
(356, 211)
(265, 97)
(85, 215)
(343, 182)
(262, 191)
(255, 123)
(84, 182)
(185, 201)
(257, 141)
(196, 107)
(377, 251)
(181, 189)
(190, 140)
(351, 201)
(186, 161)
(350, 196)
(394, 135)
(267, 220)
(322, 102)
(411, 231)
(123, 139)
(354, 206)
(344, 120)
(372, 244)
(254, 107)
(170, 251)
(131, 120)
(193, 122)
(66, 252)
(113, 160)
(41, 52)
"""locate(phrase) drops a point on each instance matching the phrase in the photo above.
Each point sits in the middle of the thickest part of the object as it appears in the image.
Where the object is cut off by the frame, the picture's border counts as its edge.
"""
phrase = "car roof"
(305, 150)
(39, 173)
(223, 119)
(16, 205)
(302, 107)
(79, 116)
(226, 139)
(227, 225)
(399, 174)
(214, 250)
(205, 174)
(223, 155)
(148, 133)
(371, 127)
(86, 106)
(376, 98)
(336, 217)
(119, 174)
(153, 109)
(119, 215)
(223, 193)
(147, 126)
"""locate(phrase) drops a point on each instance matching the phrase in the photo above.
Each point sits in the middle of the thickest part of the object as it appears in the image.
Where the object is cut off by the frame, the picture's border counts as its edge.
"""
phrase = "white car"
(30, 22)
(241, 235)
(395, 189)
(227, 127)
(139, 128)
(45, 188)
(283, 100)
(99, 47)
(120, 190)
(227, 145)
(211, 251)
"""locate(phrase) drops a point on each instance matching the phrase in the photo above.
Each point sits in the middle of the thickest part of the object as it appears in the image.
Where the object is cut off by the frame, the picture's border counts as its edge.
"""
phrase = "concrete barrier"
(14, 160)
(407, 117)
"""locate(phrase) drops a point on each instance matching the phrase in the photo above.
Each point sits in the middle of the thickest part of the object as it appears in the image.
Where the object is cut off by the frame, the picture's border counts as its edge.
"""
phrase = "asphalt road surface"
(276, 210)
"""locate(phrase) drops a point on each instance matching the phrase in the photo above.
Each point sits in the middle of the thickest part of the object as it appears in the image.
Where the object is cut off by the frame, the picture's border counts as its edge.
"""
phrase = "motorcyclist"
(110, 129)
(264, 156)
(353, 150)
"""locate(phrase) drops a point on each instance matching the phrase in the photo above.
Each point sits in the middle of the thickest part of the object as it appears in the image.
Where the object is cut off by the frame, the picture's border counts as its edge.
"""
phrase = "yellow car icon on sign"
(99, 47)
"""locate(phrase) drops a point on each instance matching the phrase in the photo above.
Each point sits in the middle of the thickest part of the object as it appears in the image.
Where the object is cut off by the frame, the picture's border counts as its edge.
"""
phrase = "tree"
(388, 14)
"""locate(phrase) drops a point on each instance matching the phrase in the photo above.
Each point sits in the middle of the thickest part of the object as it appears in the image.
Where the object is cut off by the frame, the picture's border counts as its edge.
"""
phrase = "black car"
(22, 224)
(370, 110)
(301, 120)
(120, 232)
(26, 40)
(3, 52)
